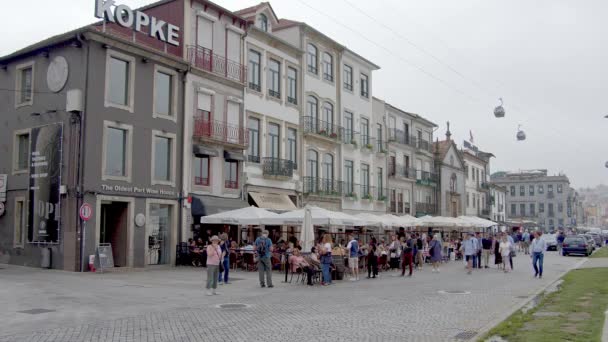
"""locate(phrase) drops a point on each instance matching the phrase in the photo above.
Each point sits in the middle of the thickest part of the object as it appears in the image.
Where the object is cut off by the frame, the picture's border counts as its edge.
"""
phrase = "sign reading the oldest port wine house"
(139, 21)
(45, 183)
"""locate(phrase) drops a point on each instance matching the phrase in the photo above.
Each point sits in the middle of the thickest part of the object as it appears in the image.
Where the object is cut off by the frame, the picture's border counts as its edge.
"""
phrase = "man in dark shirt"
(486, 244)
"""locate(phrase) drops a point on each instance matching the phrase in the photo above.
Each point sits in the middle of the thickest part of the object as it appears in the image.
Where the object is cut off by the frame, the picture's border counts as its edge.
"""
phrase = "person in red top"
(297, 261)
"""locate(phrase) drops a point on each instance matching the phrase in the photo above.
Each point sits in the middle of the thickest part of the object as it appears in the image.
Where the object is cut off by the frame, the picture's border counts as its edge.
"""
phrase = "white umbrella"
(440, 221)
(307, 233)
(408, 221)
(477, 222)
(244, 216)
(373, 220)
(320, 217)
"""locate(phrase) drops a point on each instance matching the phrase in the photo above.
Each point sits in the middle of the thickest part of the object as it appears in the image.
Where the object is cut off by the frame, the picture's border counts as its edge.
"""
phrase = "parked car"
(577, 244)
(590, 240)
(598, 239)
(594, 240)
(551, 241)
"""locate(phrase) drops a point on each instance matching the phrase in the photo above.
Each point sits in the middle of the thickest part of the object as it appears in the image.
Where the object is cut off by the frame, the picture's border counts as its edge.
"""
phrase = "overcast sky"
(448, 60)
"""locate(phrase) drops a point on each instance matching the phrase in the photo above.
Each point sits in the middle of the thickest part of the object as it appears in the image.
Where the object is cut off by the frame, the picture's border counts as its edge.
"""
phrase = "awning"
(231, 155)
(199, 151)
(213, 205)
(272, 201)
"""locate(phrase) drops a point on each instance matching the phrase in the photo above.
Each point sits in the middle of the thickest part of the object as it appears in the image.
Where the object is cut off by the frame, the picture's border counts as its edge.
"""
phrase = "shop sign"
(139, 21)
(45, 183)
(426, 182)
(136, 190)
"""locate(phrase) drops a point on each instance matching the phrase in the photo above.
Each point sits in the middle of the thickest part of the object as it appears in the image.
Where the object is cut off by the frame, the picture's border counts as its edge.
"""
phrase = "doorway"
(114, 228)
(454, 208)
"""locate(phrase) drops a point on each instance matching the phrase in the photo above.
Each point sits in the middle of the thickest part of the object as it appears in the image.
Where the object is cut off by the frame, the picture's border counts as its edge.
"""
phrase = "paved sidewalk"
(169, 305)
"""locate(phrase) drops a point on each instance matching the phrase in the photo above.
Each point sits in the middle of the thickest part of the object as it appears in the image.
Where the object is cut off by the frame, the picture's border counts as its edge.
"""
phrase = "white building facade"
(449, 163)
(477, 200)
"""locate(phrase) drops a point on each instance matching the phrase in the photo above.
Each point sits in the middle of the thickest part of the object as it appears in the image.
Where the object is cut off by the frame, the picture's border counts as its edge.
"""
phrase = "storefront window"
(159, 233)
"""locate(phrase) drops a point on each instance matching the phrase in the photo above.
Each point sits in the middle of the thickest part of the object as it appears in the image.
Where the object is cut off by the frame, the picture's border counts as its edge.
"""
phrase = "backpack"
(419, 243)
(354, 248)
(262, 249)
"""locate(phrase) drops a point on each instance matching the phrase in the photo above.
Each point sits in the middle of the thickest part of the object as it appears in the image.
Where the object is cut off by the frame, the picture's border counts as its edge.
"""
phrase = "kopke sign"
(124, 16)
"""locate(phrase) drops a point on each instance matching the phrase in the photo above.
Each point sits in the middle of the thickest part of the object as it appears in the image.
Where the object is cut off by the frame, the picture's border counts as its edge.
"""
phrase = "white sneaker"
(221, 283)
(215, 293)
(352, 279)
(209, 293)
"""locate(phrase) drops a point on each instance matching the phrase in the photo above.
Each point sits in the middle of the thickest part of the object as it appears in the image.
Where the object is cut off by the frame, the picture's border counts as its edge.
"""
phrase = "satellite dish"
(521, 135)
(499, 111)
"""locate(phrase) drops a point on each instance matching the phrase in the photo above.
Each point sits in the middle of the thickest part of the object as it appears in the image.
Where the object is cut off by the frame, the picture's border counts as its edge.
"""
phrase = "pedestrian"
(394, 252)
(326, 259)
(513, 248)
(372, 262)
(469, 249)
(420, 250)
(538, 248)
(353, 258)
(297, 261)
(435, 250)
(505, 251)
(486, 245)
(496, 249)
(407, 249)
(479, 249)
(526, 242)
(560, 242)
(225, 246)
(214, 256)
(263, 246)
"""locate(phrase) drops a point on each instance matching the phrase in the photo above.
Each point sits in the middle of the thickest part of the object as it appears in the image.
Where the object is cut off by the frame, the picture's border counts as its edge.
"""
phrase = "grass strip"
(600, 253)
(573, 313)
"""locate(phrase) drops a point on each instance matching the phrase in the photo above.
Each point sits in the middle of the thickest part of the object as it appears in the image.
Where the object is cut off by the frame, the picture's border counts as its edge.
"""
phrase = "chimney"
(448, 134)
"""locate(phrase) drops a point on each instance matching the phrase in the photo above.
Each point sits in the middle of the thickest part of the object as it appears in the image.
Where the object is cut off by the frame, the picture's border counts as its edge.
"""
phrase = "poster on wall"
(45, 182)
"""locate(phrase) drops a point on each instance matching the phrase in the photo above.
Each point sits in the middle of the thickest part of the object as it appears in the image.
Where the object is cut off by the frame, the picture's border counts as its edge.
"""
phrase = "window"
(116, 152)
(560, 222)
(550, 188)
(379, 137)
(474, 201)
(328, 117)
(20, 222)
(292, 147)
(24, 84)
(348, 127)
(292, 85)
(312, 111)
(328, 67)
(162, 157)
(119, 84)
(274, 137)
(513, 211)
(349, 176)
(522, 209)
(380, 183)
(532, 209)
(231, 174)
(21, 152)
(550, 208)
(364, 86)
(312, 163)
(253, 151)
(522, 190)
(453, 183)
(274, 78)
(328, 167)
(364, 131)
(531, 190)
(255, 59)
(560, 207)
(512, 190)
(164, 85)
(559, 188)
(551, 223)
(452, 160)
(364, 180)
(263, 22)
(468, 200)
(541, 189)
(541, 207)
(348, 77)
(201, 170)
(311, 58)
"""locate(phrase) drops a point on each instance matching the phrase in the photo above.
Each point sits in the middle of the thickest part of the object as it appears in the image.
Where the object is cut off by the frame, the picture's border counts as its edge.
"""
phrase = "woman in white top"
(326, 259)
(504, 249)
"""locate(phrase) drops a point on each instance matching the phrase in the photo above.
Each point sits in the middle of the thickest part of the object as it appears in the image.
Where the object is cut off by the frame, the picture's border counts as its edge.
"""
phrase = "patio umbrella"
(439, 221)
(244, 216)
(373, 220)
(307, 233)
(477, 222)
(320, 217)
(408, 221)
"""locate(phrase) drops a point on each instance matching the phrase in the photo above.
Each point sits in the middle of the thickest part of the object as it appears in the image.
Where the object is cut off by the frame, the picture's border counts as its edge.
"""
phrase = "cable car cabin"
(499, 111)
(521, 135)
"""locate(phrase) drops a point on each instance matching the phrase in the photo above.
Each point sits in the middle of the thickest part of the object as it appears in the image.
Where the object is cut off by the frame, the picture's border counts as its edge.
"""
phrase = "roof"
(285, 23)
(249, 12)
(416, 116)
(442, 147)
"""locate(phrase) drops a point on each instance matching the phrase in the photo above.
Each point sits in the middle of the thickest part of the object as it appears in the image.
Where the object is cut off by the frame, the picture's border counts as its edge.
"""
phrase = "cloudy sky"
(448, 60)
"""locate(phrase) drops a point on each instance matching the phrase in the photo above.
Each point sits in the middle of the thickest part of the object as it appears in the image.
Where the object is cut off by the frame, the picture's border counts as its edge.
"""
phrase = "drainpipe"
(183, 158)
(81, 160)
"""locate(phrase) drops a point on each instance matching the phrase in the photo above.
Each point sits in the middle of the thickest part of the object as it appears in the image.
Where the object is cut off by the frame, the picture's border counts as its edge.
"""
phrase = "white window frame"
(24, 230)
(173, 138)
(174, 95)
(131, 86)
(18, 70)
(16, 134)
(128, 151)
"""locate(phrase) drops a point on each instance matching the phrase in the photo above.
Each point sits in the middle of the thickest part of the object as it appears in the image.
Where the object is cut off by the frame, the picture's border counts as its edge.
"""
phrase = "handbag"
(221, 268)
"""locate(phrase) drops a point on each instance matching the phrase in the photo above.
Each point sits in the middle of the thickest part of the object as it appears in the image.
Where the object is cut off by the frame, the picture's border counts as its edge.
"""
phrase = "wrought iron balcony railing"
(426, 178)
(322, 186)
(322, 128)
(205, 59)
(219, 131)
(277, 167)
(401, 171)
(399, 137)
(425, 208)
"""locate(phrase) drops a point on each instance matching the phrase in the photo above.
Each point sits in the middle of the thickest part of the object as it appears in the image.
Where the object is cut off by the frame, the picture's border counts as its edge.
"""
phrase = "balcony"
(354, 191)
(277, 168)
(371, 144)
(400, 171)
(483, 186)
(202, 181)
(204, 59)
(228, 184)
(425, 209)
(220, 132)
(323, 129)
(322, 187)
(399, 137)
(550, 195)
(426, 178)
(485, 212)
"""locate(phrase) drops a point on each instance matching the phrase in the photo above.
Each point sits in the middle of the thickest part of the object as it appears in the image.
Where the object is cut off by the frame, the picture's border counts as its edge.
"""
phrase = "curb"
(481, 332)
(605, 331)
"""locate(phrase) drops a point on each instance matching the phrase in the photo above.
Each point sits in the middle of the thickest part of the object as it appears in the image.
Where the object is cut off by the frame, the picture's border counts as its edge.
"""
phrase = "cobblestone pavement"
(169, 305)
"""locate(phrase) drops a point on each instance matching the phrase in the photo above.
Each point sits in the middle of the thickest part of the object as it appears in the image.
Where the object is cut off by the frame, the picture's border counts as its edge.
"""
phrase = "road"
(169, 304)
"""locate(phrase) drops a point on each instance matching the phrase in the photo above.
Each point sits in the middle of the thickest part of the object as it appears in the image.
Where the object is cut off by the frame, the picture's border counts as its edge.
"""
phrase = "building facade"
(478, 200)
(81, 128)
(498, 199)
(536, 196)
(451, 169)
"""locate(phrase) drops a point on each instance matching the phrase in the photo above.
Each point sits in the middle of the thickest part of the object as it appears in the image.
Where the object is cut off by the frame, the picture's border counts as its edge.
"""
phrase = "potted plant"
(333, 135)
(369, 146)
(367, 197)
(381, 198)
(323, 132)
(352, 196)
(354, 143)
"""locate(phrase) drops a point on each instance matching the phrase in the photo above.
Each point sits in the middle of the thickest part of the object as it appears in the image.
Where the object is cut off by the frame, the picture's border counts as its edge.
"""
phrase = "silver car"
(550, 240)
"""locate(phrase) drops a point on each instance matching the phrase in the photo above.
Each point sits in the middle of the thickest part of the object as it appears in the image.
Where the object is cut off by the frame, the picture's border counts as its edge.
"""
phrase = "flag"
(471, 135)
